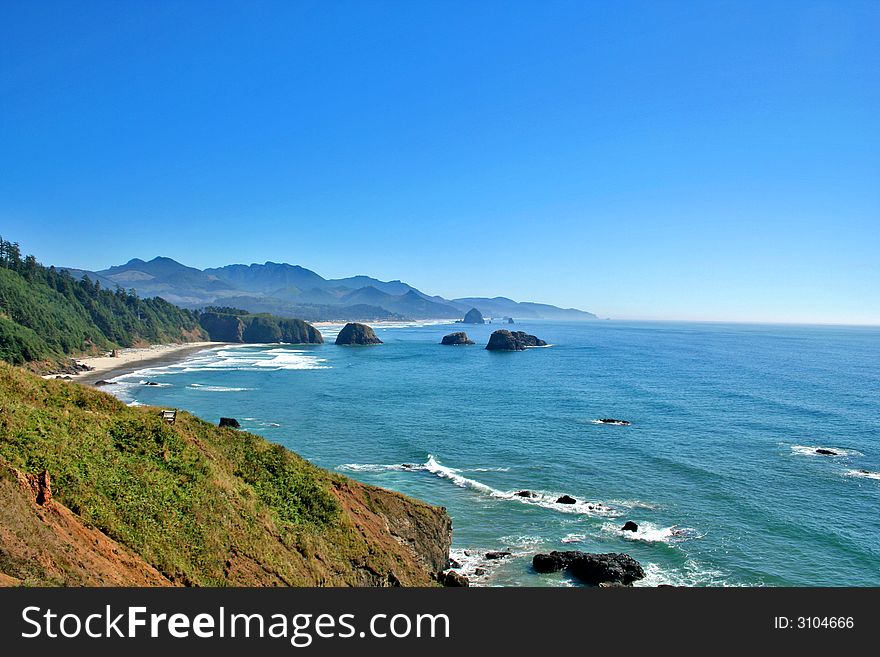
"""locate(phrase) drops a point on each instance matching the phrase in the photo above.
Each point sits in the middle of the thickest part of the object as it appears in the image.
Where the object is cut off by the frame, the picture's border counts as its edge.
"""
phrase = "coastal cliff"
(93, 492)
(244, 327)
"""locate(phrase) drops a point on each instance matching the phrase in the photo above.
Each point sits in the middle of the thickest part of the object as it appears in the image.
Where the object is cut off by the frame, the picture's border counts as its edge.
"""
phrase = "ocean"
(718, 467)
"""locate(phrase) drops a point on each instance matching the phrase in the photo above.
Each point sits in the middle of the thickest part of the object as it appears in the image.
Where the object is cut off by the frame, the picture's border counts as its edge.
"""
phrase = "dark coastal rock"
(525, 493)
(452, 563)
(358, 334)
(566, 499)
(473, 316)
(629, 526)
(555, 561)
(595, 569)
(102, 382)
(229, 422)
(460, 337)
(615, 568)
(504, 340)
(150, 383)
(502, 554)
(826, 452)
(454, 579)
(510, 320)
(611, 420)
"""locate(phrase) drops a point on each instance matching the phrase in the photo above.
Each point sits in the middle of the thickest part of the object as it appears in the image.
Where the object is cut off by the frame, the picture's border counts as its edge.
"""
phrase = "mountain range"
(293, 291)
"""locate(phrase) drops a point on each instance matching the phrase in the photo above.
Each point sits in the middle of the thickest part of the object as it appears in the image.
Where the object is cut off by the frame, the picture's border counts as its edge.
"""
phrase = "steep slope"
(46, 315)
(44, 542)
(189, 503)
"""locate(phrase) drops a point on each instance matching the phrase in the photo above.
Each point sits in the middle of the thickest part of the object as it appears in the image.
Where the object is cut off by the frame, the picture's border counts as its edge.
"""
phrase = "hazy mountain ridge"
(292, 290)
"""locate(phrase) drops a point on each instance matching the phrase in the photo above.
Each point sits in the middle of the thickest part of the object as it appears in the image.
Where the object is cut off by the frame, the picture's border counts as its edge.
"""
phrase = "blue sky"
(675, 160)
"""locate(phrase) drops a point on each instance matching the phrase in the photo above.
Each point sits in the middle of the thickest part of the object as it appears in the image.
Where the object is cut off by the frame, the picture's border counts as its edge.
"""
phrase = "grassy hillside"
(198, 504)
(46, 315)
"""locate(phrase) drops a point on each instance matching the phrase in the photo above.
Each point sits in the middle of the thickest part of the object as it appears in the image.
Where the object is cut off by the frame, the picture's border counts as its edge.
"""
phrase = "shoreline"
(136, 358)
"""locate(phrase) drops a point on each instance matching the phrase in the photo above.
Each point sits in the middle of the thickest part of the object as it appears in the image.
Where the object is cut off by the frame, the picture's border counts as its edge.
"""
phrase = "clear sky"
(688, 160)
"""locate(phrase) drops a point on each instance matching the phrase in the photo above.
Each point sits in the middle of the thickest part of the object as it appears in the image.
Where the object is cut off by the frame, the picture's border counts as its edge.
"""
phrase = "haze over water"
(718, 467)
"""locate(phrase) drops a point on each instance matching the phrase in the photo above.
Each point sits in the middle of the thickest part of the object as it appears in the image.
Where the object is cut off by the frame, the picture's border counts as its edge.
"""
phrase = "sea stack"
(460, 337)
(360, 334)
(504, 340)
(473, 316)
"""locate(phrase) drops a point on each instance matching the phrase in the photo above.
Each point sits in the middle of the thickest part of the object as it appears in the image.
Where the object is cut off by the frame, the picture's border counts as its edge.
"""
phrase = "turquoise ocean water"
(718, 467)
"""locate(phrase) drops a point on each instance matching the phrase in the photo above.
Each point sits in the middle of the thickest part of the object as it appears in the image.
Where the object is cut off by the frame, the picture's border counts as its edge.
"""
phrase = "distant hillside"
(111, 495)
(47, 314)
(294, 291)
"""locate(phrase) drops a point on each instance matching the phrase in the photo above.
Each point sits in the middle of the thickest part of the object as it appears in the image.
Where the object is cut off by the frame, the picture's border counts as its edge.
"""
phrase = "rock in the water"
(498, 555)
(510, 320)
(595, 569)
(473, 316)
(525, 493)
(229, 422)
(453, 578)
(629, 526)
(102, 382)
(504, 340)
(615, 568)
(611, 420)
(354, 333)
(460, 337)
(150, 383)
(566, 499)
(826, 452)
(553, 562)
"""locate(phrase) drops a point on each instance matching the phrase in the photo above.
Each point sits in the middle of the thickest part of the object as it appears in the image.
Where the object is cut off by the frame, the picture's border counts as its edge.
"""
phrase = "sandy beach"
(135, 358)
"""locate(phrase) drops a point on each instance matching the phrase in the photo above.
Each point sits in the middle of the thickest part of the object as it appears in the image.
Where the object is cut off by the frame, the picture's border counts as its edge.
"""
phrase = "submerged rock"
(629, 526)
(826, 452)
(525, 493)
(595, 569)
(473, 316)
(504, 340)
(150, 383)
(566, 499)
(102, 382)
(459, 337)
(354, 333)
(229, 422)
(611, 420)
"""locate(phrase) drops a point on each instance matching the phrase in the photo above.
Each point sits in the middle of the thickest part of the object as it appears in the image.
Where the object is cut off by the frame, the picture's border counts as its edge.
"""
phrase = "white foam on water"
(574, 538)
(375, 467)
(618, 423)
(153, 384)
(692, 574)
(651, 533)
(807, 450)
(864, 474)
(196, 386)
(543, 499)
(473, 564)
